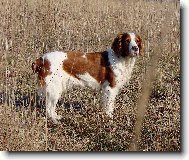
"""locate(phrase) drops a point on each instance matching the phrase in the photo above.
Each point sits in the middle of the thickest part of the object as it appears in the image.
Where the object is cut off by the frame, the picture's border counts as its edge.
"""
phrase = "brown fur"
(42, 67)
(139, 43)
(120, 44)
(92, 63)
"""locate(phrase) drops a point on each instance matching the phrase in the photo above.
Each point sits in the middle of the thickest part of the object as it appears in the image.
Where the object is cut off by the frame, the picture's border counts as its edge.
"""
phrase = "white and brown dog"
(107, 71)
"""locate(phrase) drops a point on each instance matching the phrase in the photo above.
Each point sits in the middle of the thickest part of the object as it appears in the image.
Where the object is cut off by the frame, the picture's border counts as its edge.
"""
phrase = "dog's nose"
(135, 48)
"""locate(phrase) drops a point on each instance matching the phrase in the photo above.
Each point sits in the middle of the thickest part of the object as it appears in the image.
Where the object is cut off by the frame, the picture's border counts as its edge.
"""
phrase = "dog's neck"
(116, 60)
(121, 66)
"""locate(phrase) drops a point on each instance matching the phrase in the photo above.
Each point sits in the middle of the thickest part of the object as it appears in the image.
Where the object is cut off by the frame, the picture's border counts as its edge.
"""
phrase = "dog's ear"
(140, 45)
(116, 45)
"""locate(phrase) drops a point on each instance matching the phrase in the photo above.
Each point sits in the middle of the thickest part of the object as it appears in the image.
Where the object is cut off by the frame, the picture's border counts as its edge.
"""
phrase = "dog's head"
(127, 44)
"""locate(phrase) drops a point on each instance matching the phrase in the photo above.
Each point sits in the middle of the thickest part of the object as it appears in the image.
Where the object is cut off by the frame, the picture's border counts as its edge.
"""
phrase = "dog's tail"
(37, 65)
(41, 66)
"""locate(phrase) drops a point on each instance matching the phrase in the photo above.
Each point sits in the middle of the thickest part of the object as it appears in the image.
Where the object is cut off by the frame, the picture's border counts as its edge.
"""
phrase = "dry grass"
(29, 28)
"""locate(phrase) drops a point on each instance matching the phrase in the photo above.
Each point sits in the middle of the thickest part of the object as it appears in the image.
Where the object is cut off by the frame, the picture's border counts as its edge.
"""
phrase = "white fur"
(133, 43)
(122, 68)
(89, 81)
(60, 81)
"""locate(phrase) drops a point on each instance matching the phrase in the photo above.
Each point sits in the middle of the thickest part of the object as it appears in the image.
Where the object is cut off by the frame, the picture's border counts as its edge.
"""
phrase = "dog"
(105, 71)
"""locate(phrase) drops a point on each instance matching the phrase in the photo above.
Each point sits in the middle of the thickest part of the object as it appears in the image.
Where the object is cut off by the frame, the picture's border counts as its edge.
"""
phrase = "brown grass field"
(147, 114)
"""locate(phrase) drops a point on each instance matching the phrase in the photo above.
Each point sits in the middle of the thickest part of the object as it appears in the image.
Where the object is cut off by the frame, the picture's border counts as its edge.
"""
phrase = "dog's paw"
(56, 119)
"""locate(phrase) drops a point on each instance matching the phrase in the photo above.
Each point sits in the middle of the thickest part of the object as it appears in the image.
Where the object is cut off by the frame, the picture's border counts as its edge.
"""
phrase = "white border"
(185, 77)
(184, 155)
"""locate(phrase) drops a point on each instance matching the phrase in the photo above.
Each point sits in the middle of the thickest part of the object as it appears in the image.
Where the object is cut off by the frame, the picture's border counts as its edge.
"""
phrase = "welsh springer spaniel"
(107, 71)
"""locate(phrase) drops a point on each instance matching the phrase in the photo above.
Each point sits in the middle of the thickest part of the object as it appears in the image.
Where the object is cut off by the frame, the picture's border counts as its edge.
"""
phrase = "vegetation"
(30, 28)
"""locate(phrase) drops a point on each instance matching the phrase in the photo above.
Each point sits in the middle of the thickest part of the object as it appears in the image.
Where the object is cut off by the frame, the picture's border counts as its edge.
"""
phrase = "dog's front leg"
(108, 100)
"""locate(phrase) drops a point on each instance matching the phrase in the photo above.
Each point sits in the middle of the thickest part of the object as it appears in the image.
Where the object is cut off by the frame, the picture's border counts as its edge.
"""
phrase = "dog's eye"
(127, 41)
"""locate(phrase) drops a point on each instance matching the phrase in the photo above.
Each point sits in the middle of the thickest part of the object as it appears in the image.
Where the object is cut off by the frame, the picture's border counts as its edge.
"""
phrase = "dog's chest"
(123, 71)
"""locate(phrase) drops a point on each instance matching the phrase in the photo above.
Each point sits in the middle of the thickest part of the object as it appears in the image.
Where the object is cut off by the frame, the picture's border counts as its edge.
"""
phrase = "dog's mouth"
(134, 53)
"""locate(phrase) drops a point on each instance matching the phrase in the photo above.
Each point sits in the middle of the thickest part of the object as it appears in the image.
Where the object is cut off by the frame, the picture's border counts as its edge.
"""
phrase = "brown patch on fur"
(42, 68)
(93, 63)
(139, 43)
(116, 45)
(110, 77)
(125, 41)
(120, 44)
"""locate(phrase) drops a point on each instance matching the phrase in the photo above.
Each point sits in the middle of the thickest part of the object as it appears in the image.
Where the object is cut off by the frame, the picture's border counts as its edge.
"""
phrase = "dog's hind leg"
(52, 96)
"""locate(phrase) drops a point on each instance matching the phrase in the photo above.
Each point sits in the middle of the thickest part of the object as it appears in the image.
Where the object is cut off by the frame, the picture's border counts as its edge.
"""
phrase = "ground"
(30, 28)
